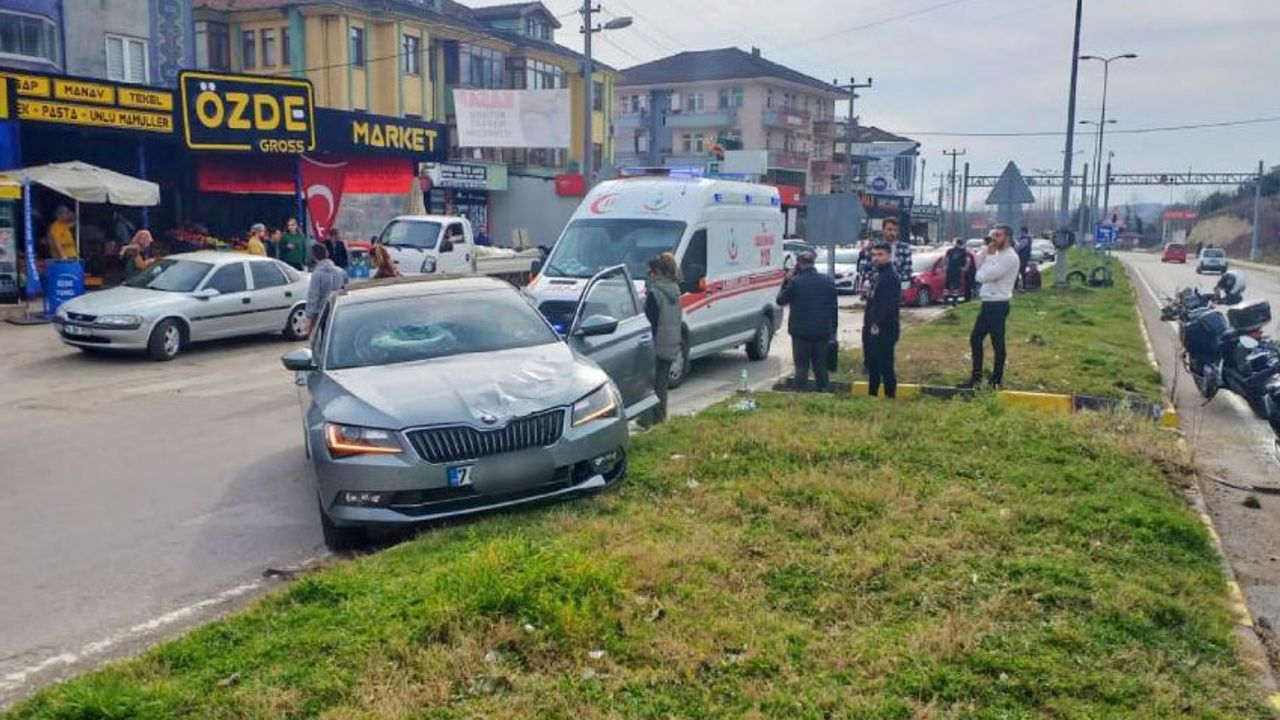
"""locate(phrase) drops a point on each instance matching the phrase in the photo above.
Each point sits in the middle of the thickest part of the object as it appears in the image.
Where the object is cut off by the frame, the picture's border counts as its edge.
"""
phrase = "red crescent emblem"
(603, 204)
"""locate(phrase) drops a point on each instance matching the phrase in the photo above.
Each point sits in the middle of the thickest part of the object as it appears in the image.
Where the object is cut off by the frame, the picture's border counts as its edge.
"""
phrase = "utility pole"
(1084, 203)
(1064, 208)
(1257, 214)
(589, 28)
(850, 131)
(964, 203)
(924, 163)
(1106, 194)
(954, 155)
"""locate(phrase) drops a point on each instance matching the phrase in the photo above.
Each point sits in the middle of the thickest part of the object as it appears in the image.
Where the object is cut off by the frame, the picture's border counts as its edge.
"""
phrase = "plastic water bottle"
(744, 382)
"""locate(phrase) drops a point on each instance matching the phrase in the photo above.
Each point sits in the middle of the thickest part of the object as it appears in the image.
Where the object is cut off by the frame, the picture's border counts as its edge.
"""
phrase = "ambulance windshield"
(589, 246)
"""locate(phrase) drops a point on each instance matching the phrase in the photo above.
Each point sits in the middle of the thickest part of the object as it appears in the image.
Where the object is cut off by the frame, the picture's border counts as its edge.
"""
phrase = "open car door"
(610, 327)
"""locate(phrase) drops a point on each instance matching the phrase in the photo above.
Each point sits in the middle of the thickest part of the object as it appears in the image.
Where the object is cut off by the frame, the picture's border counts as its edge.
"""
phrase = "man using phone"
(997, 271)
(880, 322)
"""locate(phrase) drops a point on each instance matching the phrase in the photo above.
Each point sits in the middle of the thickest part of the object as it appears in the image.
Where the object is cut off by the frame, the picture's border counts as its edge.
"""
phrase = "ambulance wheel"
(679, 366)
(758, 348)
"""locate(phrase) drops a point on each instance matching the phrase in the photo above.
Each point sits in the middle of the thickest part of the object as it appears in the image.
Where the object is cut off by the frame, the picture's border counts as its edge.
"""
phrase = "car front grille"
(80, 317)
(459, 442)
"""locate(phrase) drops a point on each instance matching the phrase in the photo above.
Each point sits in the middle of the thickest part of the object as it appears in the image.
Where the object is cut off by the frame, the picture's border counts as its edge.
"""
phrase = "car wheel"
(166, 341)
(295, 328)
(922, 297)
(679, 366)
(758, 348)
(341, 539)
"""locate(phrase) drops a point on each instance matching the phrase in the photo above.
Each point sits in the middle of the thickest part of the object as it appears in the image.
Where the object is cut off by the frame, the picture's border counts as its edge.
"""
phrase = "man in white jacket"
(997, 271)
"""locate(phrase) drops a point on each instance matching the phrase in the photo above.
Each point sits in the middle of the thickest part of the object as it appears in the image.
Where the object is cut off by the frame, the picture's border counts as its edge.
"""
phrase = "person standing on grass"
(901, 250)
(957, 264)
(666, 316)
(812, 320)
(1023, 248)
(880, 322)
(997, 270)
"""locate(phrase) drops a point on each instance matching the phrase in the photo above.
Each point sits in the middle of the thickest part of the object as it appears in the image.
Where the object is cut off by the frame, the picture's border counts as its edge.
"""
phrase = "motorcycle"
(1229, 349)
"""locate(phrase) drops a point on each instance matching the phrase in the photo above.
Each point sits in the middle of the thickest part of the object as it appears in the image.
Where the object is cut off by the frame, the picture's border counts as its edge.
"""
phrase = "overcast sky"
(1003, 66)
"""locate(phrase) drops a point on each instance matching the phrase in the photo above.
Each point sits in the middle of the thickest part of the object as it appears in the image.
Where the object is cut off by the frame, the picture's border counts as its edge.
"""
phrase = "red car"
(929, 279)
(1174, 252)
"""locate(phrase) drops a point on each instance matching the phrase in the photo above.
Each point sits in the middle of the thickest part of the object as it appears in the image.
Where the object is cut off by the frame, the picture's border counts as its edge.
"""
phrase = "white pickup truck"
(445, 245)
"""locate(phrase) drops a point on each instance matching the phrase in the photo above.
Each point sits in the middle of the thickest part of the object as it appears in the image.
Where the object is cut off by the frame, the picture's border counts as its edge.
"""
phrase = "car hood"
(123, 301)
(470, 389)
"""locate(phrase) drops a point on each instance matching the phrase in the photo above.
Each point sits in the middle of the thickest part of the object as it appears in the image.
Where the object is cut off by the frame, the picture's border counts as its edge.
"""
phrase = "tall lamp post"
(1102, 120)
(589, 28)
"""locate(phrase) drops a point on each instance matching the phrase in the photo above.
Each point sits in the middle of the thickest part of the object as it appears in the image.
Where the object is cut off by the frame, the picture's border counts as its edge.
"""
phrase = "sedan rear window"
(1215, 253)
(412, 329)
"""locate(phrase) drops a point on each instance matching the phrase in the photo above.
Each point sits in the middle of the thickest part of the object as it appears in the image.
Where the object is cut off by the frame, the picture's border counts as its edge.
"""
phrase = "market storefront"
(457, 188)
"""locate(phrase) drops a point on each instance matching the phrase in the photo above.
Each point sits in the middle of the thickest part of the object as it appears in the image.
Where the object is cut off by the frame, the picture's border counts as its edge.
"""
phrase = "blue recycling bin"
(63, 280)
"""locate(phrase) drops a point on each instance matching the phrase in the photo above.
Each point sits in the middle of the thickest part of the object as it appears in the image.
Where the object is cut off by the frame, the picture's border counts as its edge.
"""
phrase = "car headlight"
(429, 266)
(601, 403)
(349, 440)
(121, 322)
(62, 312)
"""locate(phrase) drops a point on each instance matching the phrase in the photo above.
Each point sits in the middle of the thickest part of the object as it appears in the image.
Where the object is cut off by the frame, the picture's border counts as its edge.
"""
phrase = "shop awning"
(90, 184)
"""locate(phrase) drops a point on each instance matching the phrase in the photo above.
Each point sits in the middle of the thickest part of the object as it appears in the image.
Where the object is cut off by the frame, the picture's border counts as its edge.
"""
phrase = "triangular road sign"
(1011, 188)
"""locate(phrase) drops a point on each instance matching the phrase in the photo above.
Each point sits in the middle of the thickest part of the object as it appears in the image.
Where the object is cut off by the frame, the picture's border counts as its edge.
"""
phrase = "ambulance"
(726, 235)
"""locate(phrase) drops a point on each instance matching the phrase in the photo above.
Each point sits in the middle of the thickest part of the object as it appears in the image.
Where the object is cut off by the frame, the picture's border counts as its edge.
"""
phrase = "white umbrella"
(89, 183)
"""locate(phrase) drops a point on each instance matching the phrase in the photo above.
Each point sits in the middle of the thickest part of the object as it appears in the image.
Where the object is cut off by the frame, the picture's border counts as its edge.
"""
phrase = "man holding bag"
(812, 321)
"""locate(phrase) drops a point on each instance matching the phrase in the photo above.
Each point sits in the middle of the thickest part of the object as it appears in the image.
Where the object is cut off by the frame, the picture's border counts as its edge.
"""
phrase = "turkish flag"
(322, 185)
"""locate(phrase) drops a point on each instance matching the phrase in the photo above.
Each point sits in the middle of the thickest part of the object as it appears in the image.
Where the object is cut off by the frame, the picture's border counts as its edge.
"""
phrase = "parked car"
(974, 245)
(1212, 260)
(188, 298)
(792, 248)
(432, 398)
(929, 279)
(846, 268)
(1174, 252)
(1043, 251)
(726, 235)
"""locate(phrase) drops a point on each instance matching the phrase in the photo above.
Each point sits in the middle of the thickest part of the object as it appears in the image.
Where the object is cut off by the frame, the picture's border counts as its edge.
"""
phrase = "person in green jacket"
(662, 308)
(293, 245)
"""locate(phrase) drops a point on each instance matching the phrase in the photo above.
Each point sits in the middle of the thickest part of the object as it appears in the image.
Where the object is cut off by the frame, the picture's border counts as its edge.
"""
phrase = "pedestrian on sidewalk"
(137, 254)
(337, 248)
(997, 270)
(812, 321)
(293, 245)
(957, 264)
(383, 265)
(326, 279)
(666, 316)
(880, 322)
(254, 245)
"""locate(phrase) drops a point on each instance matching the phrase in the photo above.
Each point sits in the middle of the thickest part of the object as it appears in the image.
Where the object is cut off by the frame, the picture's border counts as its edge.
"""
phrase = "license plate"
(460, 476)
(76, 330)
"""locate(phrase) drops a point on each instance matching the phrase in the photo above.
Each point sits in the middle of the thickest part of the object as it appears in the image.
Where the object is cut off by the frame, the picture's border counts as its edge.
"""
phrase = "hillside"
(1232, 227)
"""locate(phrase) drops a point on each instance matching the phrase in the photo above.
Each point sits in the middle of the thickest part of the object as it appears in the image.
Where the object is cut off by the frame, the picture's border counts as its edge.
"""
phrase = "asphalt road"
(1229, 442)
(141, 498)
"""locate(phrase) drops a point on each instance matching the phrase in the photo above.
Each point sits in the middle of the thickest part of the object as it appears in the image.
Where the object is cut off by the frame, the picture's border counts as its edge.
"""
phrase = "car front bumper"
(1212, 267)
(97, 336)
(413, 490)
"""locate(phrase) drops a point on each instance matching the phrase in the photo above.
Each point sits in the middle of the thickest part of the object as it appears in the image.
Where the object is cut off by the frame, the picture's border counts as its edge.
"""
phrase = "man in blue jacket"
(812, 321)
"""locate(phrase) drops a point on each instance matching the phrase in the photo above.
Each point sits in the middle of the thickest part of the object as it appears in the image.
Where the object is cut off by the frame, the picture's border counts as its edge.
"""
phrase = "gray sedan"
(432, 398)
(188, 298)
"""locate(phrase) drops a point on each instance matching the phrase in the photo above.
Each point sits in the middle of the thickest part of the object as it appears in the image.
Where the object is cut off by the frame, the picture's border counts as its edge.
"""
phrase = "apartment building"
(677, 110)
(401, 58)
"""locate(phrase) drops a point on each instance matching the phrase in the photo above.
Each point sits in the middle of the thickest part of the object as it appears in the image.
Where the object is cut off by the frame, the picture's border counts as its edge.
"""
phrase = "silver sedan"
(432, 398)
(188, 298)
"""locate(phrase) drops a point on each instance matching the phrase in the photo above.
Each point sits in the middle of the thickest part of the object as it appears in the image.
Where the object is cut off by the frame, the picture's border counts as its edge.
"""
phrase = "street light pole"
(1102, 121)
(1064, 207)
(589, 86)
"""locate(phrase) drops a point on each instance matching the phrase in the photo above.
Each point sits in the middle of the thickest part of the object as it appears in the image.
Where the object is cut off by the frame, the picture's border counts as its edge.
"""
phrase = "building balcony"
(827, 168)
(630, 121)
(685, 120)
(825, 128)
(786, 160)
(792, 119)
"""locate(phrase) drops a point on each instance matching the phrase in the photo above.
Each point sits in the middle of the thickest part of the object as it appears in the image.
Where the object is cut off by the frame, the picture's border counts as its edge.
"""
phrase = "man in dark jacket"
(880, 322)
(812, 322)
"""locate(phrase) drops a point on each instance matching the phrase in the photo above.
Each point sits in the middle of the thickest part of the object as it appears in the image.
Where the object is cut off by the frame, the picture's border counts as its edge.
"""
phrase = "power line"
(1131, 131)
(891, 18)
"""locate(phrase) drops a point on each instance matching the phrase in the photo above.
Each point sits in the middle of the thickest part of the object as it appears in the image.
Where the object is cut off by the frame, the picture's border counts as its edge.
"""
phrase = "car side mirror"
(205, 293)
(597, 325)
(300, 360)
(446, 245)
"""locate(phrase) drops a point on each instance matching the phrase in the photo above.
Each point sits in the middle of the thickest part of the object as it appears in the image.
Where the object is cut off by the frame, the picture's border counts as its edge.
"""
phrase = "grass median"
(1079, 340)
(818, 558)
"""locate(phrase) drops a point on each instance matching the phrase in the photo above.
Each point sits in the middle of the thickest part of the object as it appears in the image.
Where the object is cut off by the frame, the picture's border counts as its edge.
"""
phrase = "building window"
(527, 74)
(269, 58)
(642, 144)
(411, 55)
(126, 59)
(286, 48)
(357, 46)
(480, 67)
(249, 49)
(213, 46)
(768, 98)
(28, 37)
(597, 100)
(730, 98)
(695, 102)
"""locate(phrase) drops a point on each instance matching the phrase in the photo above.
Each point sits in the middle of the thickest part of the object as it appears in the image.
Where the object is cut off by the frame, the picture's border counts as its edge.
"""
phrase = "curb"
(1054, 403)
